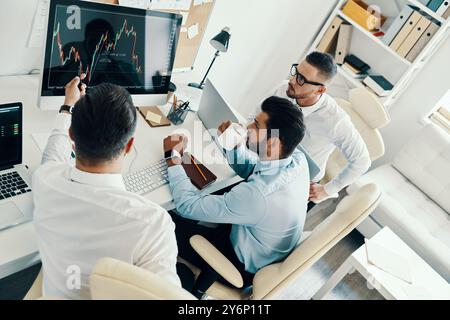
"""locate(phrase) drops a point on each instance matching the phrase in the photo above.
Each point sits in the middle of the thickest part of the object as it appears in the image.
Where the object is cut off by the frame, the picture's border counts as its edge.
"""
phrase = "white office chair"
(368, 115)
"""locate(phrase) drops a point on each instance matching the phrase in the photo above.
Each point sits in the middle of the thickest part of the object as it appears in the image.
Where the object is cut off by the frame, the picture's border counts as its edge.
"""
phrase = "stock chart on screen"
(130, 48)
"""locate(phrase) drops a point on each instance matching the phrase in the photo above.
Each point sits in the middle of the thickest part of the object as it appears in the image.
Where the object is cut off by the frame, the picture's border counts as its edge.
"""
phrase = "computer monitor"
(134, 48)
(10, 135)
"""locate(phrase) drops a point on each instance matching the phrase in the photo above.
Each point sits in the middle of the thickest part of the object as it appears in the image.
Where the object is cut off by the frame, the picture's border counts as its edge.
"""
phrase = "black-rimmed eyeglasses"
(301, 80)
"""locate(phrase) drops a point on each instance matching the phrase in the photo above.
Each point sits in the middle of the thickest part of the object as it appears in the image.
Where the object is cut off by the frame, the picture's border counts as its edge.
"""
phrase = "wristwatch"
(67, 108)
(171, 154)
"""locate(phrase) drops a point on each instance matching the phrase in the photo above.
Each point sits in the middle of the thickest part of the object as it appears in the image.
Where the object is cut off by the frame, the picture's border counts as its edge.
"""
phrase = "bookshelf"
(382, 58)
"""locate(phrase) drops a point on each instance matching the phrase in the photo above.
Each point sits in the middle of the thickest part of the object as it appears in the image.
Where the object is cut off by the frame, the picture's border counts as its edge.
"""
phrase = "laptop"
(214, 110)
(16, 201)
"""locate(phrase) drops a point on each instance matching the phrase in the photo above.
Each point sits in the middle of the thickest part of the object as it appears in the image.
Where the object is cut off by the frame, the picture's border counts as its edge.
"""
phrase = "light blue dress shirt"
(267, 211)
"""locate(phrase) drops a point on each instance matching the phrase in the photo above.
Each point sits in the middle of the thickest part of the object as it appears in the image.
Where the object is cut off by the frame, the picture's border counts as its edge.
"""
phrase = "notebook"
(193, 169)
(154, 116)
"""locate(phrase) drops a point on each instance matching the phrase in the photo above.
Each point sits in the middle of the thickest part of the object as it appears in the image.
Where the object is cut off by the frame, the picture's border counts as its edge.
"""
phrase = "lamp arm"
(210, 66)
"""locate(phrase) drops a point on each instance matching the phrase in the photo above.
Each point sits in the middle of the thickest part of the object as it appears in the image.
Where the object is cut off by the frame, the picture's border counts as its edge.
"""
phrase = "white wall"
(16, 17)
(267, 37)
(418, 100)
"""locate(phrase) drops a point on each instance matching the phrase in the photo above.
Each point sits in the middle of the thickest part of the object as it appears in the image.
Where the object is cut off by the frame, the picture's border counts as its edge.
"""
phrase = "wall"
(16, 17)
(418, 100)
(267, 37)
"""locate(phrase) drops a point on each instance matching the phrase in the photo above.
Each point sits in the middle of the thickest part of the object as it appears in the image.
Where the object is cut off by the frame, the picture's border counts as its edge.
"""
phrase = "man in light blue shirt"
(267, 211)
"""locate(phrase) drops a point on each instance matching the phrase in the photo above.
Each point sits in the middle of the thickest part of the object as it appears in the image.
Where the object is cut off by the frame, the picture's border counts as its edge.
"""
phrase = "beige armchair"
(112, 279)
(269, 281)
(368, 115)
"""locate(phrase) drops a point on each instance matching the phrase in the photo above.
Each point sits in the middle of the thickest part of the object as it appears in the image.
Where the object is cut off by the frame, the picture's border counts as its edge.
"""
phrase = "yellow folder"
(405, 31)
(414, 36)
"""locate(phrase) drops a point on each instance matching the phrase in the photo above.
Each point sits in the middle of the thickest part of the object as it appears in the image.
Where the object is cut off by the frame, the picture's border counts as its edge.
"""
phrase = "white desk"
(18, 249)
(427, 284)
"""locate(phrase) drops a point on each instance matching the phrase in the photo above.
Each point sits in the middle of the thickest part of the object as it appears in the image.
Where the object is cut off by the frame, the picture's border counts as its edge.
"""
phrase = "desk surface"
(18, 248)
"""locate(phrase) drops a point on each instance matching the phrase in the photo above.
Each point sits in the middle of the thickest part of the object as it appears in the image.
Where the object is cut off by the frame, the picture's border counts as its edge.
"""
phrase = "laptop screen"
(10, 134)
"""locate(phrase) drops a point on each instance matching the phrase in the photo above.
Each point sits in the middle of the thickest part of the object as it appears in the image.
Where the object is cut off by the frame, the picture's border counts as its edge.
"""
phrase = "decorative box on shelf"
(366, 16)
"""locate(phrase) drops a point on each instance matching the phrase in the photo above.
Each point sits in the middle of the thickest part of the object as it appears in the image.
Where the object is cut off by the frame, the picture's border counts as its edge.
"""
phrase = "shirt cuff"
(63, 121)
(331, 188)
(176, 172)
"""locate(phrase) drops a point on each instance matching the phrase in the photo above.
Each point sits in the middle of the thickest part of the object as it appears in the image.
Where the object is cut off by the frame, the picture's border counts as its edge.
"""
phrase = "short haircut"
(287, 119)
(103, 122)
(324, 62)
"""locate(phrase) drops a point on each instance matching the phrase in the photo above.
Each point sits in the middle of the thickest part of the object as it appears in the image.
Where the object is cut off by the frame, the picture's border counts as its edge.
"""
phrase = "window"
(441, 116)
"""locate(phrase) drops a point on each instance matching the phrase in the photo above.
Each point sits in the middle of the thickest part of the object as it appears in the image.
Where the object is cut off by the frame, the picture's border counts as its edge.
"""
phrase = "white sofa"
(416, 197)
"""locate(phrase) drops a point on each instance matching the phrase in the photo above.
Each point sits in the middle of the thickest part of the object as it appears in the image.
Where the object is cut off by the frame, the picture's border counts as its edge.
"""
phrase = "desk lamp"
(220, 43)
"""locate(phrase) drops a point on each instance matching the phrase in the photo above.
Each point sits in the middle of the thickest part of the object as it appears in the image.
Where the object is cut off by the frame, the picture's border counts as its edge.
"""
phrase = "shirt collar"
(113, 180)
(271, 167)
(310, 110)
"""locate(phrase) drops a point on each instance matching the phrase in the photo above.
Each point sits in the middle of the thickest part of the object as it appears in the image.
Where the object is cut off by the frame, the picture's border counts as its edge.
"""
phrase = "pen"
(198, 168)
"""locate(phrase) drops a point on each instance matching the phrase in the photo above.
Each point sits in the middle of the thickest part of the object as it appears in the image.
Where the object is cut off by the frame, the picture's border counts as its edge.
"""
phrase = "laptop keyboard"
(12, 184)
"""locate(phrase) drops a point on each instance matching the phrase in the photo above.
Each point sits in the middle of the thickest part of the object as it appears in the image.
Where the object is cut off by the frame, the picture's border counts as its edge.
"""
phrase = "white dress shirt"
(81, 217)
(329, 127)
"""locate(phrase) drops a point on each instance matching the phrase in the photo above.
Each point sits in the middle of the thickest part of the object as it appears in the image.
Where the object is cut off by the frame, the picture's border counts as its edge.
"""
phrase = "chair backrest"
(350, 212)
(116, 280)
(368, 115)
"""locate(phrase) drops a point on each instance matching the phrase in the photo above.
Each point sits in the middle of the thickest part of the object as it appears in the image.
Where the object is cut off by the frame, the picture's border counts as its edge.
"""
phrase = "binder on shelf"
(446, 14)
(398, 24)
(443, 8)
(434, 4)
(422, 42)
(414, 36)
(329, 38)
(343, 43)
(406, 30)
(379, 84)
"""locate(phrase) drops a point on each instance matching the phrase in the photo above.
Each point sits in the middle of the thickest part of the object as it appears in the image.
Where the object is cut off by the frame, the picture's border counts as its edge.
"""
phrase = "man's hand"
(317, 192)
(175, 142)
(73, 93)
(224, 126)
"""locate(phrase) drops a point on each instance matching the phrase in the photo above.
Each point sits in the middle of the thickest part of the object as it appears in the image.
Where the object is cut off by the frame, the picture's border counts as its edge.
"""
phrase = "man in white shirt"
(84, 213)
(327, 126)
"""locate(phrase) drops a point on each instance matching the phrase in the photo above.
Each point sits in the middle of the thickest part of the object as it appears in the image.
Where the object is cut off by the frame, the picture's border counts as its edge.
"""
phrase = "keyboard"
(11, 185)
(147, 179)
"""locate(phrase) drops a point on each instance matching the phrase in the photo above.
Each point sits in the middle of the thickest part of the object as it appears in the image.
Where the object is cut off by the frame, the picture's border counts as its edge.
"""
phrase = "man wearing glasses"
(327, 126)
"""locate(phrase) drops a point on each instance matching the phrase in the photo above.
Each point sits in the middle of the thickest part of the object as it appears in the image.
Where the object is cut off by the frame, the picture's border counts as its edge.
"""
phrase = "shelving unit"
(383, 59)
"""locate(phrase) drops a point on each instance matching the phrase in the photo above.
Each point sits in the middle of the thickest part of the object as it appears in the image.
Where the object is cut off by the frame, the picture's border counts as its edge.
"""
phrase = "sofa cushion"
(425, 161)
(414, 217)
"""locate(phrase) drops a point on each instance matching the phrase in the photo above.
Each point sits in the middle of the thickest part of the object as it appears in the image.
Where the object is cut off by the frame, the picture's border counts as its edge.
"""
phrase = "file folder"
(446, 14)
(329, 39)
(423, 41)
(406, 30)
(434, 4)
(398, 24)
(343, 43)
(443, 8)
(414, 36)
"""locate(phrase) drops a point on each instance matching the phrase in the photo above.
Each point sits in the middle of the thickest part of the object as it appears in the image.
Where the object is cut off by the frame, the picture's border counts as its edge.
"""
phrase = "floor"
(352, 287)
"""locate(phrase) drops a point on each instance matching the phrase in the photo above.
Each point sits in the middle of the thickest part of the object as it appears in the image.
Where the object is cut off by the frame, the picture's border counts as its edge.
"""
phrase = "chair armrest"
(217, 260)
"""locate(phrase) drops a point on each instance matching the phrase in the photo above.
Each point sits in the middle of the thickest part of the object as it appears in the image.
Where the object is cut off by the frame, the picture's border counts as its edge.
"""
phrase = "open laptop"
(16, 202)
(214, 110)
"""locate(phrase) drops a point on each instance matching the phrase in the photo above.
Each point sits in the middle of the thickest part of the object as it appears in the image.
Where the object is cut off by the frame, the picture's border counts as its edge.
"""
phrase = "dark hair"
(287, 118)
(324, 62)
(103, 121)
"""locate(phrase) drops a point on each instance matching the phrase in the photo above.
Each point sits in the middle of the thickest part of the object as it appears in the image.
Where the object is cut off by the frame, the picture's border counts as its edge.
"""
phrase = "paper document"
(171, 5)
(41, 140)
(193, 31)
(185, 17)
(39, 26)
(141, 4)
(153, 117)
(388, 261)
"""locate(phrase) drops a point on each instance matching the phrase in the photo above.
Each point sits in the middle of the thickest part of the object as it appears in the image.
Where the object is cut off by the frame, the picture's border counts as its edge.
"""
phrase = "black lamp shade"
(220, 42)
